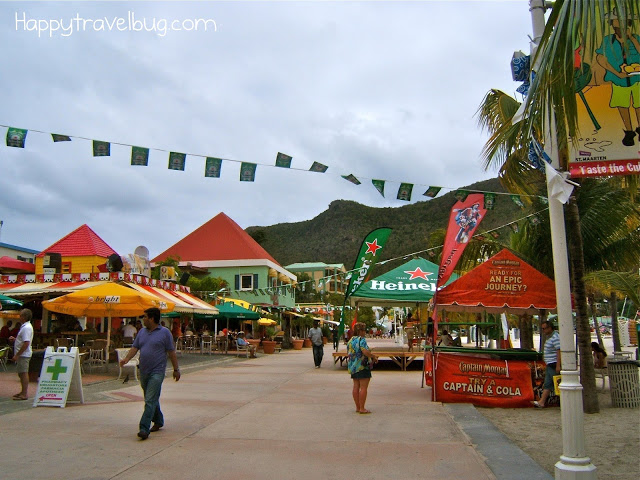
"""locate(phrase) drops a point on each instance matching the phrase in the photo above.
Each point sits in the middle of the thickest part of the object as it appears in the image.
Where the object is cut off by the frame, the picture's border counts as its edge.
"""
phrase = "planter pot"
(297, 344)
(307, 343)
(268, 346)
(324, 340)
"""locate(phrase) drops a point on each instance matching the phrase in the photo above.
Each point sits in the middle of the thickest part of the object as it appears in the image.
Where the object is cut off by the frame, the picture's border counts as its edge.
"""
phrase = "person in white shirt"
(129, 330)
(22, 352)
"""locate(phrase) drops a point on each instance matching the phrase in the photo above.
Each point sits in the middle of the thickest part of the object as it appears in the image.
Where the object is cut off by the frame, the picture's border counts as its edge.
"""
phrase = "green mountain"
(335, 235)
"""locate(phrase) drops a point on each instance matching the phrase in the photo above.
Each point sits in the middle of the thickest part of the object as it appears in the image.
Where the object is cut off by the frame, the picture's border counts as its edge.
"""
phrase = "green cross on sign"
(56, 369)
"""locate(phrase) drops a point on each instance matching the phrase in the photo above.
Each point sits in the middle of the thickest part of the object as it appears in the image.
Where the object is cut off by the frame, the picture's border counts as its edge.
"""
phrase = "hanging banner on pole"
(607, 86)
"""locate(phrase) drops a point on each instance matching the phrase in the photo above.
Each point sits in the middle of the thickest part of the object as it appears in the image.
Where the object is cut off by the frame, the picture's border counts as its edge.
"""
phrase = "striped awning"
(36, 288)
(185, 302)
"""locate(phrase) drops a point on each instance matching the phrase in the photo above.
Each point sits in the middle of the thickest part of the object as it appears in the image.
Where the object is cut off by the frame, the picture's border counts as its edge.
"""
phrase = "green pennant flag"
(247, 172)
(101, 149)
(379, 184)
(369, 254)
(494, 234)
(283, 160)
(139, 156)
(535, 220)
(461, 195)
(177, 161)
(489, 200)
(481, 238)
(60, 138)
(544, 200)
(432, 192)
(404, 192)
(517, 201)
(16, 137)
(514, 227)
(212, 167)
(318, 167)
(351, 178)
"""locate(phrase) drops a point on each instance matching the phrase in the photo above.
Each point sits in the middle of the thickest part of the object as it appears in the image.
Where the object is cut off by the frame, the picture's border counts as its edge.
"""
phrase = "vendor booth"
(490, 377)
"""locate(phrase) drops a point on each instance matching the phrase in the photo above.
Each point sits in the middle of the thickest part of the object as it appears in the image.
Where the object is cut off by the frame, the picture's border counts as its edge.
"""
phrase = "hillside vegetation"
(336, 234)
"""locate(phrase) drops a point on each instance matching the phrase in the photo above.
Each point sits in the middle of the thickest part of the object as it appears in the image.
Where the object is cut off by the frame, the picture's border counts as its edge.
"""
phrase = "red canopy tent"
(504, 283)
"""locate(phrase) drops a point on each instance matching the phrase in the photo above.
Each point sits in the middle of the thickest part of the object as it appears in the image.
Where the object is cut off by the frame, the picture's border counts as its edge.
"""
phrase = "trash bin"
(624, 383)
(35, 365)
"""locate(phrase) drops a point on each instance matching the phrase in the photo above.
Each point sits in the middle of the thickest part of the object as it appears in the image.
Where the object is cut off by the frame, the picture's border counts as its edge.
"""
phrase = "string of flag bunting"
(17, 137)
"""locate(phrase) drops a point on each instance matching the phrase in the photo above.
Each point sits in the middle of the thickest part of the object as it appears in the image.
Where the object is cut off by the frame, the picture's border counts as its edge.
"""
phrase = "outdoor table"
(75, 334)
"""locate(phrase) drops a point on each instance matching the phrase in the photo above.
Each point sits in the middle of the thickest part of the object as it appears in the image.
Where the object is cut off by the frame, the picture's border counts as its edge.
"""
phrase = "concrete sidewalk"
(274, 417)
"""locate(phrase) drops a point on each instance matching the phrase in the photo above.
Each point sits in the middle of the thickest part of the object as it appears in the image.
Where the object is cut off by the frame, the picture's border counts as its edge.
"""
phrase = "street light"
(574, 463)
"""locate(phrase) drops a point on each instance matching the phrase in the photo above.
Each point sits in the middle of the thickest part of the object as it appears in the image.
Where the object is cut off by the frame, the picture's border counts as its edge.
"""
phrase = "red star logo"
(418, 273)
(372, 247)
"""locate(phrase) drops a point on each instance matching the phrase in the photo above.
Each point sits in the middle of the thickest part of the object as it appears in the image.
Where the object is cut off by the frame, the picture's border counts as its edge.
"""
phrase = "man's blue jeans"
(151, 385)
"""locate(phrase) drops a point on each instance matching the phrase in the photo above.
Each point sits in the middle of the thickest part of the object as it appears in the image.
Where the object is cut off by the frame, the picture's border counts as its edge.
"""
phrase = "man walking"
(315, 334)
(552, 359)
(154, 343)
(22, 352)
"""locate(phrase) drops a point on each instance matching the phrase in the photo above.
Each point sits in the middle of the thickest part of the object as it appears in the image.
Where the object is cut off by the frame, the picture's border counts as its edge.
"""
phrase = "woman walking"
(359, 365)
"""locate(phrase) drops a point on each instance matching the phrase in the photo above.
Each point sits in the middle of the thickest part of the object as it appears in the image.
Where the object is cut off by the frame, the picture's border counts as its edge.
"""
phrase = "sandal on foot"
(364, 412)
(19, 397)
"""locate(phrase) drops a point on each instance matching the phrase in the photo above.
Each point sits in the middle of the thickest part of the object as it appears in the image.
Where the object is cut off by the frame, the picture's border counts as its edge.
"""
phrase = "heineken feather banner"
(369, 254)
(318, 167)
(432, 192)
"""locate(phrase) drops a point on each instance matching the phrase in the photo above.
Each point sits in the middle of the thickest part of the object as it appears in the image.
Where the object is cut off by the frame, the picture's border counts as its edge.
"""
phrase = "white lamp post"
(573, 463)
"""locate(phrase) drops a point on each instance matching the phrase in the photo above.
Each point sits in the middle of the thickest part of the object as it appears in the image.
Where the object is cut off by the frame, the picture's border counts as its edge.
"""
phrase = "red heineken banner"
(370, 252)
(464, 219)
(482, 381)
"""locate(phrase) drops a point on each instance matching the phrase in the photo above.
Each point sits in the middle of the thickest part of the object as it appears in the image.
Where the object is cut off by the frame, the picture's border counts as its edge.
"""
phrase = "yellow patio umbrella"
(107, 300)
(266, 321)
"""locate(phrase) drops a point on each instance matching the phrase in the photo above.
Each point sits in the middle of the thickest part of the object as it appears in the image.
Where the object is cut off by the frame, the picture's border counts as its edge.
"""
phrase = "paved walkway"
(274, 417)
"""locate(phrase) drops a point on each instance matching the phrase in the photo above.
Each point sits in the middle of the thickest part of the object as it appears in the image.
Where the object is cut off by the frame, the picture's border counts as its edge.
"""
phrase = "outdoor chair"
(206, 344)
(278, 339)
(127, 342)
(243, 350)
(133, 363)
(97, 354)
(4, 356)
(602, 373)
(63, 342)
(179, 345)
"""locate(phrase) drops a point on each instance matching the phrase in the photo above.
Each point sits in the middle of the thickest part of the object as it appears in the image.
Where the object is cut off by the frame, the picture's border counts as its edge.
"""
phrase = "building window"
(25, 259)
(65, 267)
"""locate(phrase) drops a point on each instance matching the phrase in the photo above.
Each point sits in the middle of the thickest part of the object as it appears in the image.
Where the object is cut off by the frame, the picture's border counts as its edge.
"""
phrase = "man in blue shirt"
(154, 342)
(552, 359)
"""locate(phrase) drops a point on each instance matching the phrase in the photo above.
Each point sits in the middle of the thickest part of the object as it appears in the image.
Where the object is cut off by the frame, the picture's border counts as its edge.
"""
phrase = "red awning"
(502, 283)
(12, 265)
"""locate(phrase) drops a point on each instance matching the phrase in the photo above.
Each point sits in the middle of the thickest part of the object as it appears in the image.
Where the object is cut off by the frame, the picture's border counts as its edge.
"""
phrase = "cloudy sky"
(377, 89)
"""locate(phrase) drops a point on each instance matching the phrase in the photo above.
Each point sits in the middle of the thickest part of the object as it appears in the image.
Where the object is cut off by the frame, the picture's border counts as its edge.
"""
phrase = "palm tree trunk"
(592, 304)
(526, 332)
(583, 331)
(615, 331)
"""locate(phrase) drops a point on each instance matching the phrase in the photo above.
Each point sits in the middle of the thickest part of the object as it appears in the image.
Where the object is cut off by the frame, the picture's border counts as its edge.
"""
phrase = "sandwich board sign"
(60, 378)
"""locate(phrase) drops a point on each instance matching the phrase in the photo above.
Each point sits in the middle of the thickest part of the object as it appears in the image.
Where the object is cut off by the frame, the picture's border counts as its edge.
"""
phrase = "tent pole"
(106, 362)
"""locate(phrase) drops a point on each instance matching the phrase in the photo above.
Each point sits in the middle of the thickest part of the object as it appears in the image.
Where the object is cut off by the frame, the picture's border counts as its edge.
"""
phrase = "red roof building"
(223, 249)
(81, 250)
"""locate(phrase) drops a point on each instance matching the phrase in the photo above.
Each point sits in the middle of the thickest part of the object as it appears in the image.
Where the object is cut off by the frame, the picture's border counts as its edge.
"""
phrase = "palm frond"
(622, 283)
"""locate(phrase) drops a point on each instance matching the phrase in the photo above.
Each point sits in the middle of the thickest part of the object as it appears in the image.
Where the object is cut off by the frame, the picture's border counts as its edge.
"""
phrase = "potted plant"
(326, 331)
(268, 344)
(297, 343)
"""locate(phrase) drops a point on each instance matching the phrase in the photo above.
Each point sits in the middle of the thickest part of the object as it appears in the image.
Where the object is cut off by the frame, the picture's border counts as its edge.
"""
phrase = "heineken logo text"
(382, 285)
